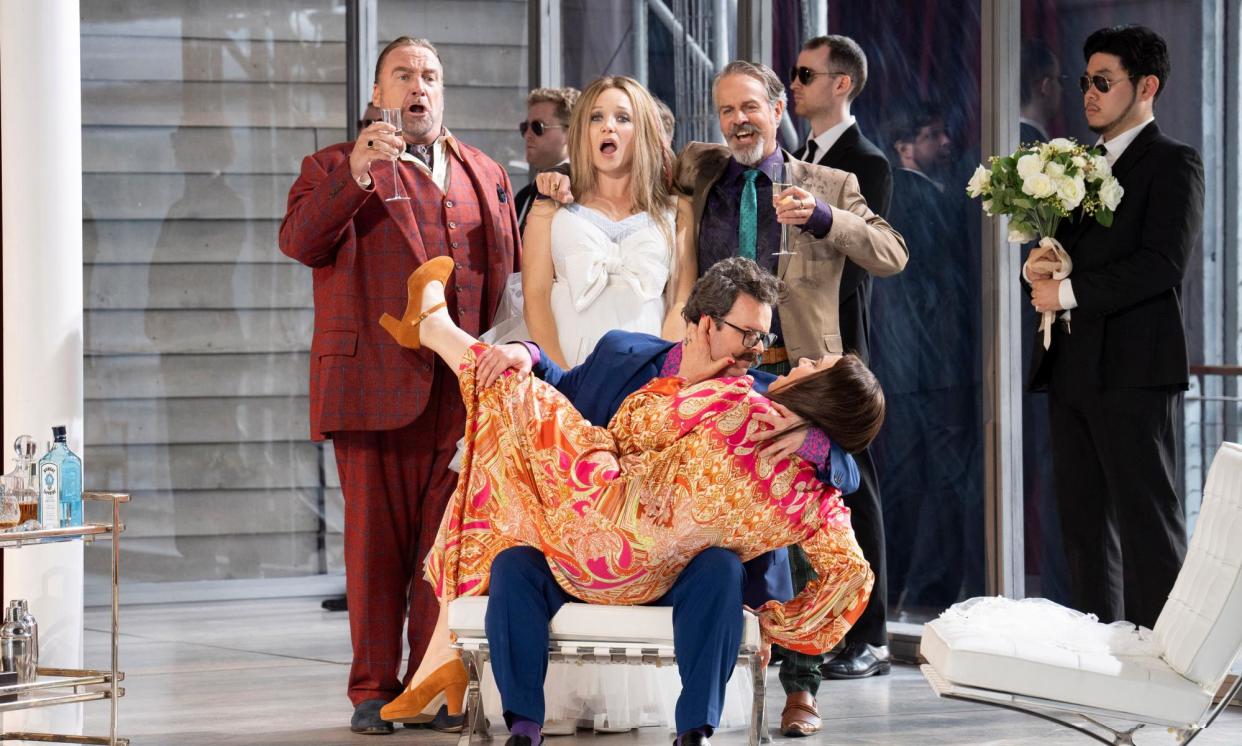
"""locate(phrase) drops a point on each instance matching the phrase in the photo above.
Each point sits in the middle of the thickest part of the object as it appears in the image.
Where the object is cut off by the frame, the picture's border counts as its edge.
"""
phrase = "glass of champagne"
(393, 117)
(779, 174)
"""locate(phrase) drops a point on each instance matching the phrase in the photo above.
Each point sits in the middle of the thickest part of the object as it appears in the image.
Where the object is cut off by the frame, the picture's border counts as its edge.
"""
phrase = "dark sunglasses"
(751, 337)
(1101, 83)
(805, 75)
(538, 127)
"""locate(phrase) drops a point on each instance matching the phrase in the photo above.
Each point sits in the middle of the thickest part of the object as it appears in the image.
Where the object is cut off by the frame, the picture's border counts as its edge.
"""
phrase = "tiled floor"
(274, 672)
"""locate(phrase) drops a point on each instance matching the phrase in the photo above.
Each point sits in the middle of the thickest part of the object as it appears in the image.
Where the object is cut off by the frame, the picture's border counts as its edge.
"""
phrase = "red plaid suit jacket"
(362, 250)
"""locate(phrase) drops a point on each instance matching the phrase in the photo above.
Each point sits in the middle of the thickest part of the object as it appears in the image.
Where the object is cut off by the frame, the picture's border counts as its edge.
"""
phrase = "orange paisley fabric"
(620, 511)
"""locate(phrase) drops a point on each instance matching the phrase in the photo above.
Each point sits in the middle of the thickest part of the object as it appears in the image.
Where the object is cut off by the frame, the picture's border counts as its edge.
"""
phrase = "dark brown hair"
(562, 98)
(716, 291)
(845, 401)
(846, 56)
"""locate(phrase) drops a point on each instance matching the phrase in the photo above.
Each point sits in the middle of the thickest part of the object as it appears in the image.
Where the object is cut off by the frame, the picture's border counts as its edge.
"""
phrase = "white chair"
(1198, 636)
(591, 633)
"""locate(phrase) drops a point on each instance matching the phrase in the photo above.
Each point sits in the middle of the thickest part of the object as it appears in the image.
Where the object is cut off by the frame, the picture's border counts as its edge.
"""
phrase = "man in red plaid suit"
(394, 415)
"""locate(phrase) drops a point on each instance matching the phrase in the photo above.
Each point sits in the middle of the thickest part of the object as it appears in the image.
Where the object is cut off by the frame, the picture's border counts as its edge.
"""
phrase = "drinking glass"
(393, 117)
(779, 174)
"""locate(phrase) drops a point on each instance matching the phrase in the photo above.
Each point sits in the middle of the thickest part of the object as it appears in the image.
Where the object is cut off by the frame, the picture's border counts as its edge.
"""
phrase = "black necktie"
(809, 151)
(423, 153)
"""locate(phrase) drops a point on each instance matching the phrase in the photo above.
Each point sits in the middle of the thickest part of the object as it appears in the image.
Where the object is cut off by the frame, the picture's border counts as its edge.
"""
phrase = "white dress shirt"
(826, 139)
(1112, 151)
(439, 170)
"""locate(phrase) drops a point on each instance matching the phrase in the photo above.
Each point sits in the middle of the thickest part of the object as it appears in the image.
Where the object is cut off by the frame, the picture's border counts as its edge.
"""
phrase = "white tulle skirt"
(1041, 620)
(621, 696)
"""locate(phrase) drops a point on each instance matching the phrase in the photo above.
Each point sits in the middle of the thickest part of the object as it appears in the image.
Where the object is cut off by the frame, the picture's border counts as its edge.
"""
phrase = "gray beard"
(749, 156)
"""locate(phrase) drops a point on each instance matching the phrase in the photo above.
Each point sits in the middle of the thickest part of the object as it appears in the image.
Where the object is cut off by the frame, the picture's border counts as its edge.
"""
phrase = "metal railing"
(1212, 414)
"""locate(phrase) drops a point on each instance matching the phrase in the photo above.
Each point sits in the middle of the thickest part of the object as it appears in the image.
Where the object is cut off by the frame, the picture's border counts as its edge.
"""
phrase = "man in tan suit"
(827, 221)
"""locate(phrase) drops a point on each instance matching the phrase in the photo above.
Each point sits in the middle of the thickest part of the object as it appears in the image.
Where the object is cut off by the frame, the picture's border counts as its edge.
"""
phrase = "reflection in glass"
(921, 108)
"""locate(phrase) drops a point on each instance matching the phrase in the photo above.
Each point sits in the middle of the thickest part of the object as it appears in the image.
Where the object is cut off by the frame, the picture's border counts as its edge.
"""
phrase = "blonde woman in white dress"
(621, 255)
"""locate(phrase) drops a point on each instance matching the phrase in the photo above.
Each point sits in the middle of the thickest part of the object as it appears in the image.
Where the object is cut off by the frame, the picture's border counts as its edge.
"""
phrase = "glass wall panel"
(684, 43)
(195, 119)
(921, 107)
(1194, 109)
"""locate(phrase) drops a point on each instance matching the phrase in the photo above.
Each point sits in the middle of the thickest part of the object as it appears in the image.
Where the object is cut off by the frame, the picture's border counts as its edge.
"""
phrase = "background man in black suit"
(1116, 368)
(1041, 93)
(545, 132)
(1041, 90)
(830, 73)
(925, 326)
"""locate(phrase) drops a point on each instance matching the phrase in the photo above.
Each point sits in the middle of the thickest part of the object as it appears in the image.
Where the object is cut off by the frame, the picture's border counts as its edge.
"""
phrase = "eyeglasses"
(805, 75)
(1101, 83)
(537, 127)
(751, 337)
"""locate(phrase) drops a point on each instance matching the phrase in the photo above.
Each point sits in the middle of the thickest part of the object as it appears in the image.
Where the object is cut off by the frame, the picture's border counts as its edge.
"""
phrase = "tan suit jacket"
(812, 276)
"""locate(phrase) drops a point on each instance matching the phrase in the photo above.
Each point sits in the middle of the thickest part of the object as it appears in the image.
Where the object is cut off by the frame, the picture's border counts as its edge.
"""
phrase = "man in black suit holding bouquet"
(1117, 362)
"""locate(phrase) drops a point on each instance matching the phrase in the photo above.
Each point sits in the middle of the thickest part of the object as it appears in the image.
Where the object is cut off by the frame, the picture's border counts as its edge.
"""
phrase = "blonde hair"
(563, 98)
(650, 166)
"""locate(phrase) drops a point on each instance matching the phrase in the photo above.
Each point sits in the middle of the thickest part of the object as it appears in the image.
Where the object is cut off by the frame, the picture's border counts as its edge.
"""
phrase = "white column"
(41, 165)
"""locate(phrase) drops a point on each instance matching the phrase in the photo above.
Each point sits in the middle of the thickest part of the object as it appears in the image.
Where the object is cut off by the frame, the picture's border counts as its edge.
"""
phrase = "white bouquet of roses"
(1037, 186)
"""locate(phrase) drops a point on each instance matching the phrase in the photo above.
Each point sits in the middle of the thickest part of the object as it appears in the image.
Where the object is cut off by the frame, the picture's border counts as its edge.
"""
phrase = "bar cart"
(58, 686)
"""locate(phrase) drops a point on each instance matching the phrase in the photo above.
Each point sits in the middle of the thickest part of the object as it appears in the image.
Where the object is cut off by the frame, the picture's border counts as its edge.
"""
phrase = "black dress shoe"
(367, 720)
(858, 661)
(521, 741)
(443, 722)
(693, 738)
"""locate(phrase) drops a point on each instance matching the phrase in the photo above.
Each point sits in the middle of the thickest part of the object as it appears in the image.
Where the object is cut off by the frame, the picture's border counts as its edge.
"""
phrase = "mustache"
(743, 129)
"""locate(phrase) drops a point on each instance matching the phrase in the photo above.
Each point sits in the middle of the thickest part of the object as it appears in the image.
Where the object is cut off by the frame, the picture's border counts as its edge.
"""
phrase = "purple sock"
(701, 731)
(529, 728)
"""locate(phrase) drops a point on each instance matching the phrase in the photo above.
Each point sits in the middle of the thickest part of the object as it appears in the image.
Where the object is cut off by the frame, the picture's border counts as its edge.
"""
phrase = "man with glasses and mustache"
(546, 134)
(1117, 363)
(732, 304)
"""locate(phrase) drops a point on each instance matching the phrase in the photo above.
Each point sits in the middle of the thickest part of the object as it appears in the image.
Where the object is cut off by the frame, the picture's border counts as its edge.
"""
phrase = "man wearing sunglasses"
(830, 73)
(1117, 363)
(546, 133)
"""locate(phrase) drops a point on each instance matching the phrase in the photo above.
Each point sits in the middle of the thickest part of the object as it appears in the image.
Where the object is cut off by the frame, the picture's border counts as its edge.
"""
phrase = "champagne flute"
(393, 117)
(779, 174)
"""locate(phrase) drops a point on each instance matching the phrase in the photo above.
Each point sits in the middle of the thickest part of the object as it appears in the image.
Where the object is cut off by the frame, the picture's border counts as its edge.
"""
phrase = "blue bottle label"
(49, 495)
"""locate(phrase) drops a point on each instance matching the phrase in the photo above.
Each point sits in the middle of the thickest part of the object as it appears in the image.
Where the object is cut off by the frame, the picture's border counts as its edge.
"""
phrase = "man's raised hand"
(496, 359)
(378, 142)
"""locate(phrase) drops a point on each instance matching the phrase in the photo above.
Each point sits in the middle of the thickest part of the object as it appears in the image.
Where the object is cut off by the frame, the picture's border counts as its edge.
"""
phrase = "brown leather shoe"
(800, 717)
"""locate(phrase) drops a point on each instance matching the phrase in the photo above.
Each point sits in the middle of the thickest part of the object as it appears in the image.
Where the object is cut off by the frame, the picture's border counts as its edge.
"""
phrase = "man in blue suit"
(737, 296)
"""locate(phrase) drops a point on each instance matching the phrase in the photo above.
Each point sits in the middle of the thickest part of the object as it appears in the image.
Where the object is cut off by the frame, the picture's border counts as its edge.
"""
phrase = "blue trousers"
(707, 631)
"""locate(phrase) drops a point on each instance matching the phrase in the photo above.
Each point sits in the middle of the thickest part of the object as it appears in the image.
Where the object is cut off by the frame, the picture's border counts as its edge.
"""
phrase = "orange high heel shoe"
(405, 331)
(449, 680)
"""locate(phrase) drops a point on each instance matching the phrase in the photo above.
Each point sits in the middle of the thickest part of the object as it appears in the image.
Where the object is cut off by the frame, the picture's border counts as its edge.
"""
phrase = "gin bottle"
(60, 484)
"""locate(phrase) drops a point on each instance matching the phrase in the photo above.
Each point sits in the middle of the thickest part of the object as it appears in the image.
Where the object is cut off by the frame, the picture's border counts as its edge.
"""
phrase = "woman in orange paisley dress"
(620, 511)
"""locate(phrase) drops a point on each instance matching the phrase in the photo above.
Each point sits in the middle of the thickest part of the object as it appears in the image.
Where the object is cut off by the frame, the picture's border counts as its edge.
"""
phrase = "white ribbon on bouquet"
(1051, 258)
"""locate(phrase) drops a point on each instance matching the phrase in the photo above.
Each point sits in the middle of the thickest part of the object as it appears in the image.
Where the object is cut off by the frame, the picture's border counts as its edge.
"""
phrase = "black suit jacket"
(1127, 279)
(854, 153)
(523, 201)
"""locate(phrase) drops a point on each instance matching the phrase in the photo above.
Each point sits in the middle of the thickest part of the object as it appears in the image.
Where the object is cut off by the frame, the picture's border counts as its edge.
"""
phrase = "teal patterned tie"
(748, 221)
